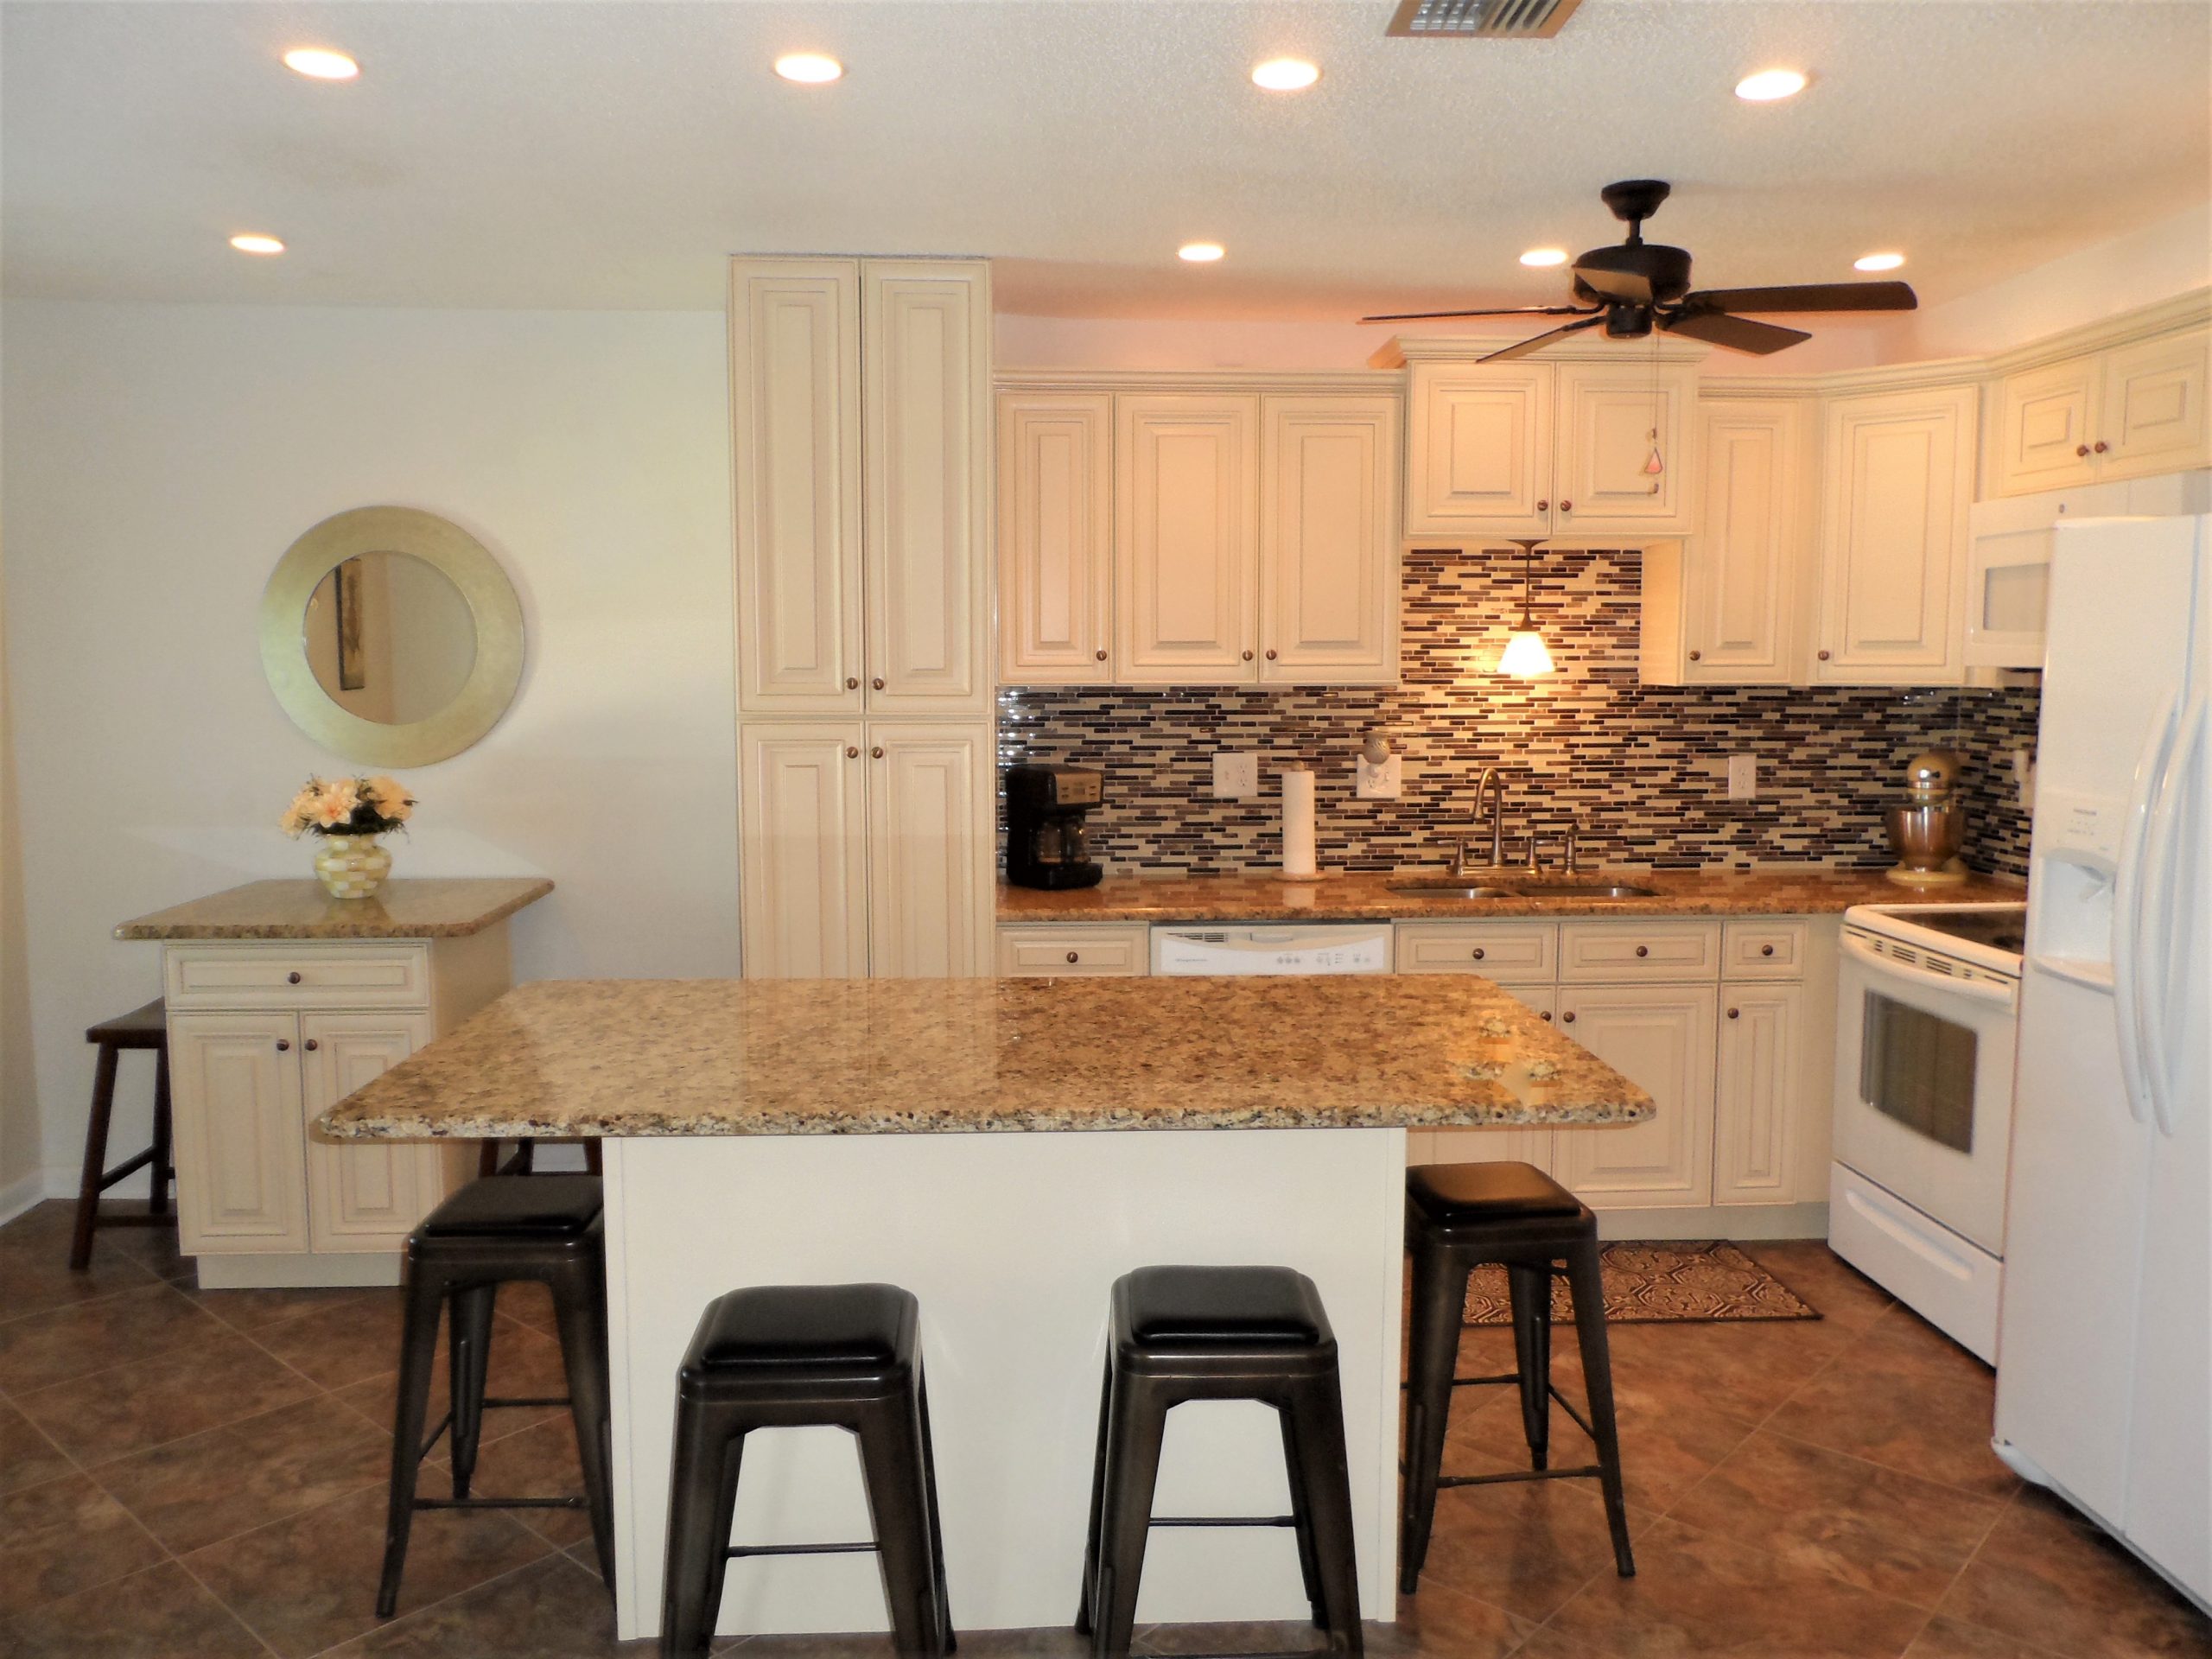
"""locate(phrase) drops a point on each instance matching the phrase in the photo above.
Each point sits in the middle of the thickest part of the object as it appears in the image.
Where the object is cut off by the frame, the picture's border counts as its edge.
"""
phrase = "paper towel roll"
(1298, 824)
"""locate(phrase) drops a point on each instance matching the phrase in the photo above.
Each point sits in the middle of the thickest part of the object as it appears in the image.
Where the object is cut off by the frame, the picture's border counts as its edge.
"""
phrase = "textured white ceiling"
(609, 154)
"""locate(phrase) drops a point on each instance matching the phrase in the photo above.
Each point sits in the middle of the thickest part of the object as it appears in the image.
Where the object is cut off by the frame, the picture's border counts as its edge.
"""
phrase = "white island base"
(1011, 1241)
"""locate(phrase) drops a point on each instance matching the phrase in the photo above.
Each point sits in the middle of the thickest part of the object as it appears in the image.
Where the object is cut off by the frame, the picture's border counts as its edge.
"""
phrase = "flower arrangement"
(348, 806)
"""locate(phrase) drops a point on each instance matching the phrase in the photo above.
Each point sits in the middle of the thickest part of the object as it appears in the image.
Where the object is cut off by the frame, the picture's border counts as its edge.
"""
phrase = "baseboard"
(20, 1195)
(1717, 1221)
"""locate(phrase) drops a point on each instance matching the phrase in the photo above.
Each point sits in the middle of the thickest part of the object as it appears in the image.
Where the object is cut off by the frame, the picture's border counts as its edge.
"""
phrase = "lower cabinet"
(1761, 1057)
(364, 1196)
(1660, 1037)
(241, 1140)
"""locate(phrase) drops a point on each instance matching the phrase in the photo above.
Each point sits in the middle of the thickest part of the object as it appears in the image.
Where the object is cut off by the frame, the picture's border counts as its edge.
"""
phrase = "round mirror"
(390, 636)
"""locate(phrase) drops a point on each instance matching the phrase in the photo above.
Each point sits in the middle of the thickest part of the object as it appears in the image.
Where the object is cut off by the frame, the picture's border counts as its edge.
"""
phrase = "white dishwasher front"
(1321, 947)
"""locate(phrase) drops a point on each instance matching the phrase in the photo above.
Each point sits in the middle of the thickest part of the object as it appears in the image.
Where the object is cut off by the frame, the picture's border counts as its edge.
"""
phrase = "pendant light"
(1526, 657)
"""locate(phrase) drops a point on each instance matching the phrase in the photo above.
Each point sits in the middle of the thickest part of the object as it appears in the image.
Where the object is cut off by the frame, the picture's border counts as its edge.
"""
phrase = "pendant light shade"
(1527, 657)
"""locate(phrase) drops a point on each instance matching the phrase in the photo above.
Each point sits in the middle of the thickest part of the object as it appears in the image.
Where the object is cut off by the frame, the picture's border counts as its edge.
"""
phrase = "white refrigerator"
(2104, 1345)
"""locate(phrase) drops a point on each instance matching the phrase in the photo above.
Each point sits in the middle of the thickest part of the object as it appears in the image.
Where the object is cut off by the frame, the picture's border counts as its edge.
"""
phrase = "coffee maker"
(1046, 845)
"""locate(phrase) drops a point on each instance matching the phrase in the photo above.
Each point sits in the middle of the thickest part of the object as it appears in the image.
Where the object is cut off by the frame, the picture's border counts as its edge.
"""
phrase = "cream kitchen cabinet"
(1055, 538)
(1896, 483)
(868, 849)
(1328, 588)
(1760, 1060)
(1552, 449)
(1186, 539)
(1075, 950)
(2131, 411)
(859, 399)
(1661, 1037)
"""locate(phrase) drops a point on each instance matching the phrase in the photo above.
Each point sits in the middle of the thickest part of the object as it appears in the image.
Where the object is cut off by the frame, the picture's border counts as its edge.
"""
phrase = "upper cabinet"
(1197, 537)
(1560, 450)
(2131, 411)
(859, 392)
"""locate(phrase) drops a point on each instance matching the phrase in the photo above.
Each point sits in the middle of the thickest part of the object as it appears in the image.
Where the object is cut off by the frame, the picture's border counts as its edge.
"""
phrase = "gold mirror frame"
(483, 697)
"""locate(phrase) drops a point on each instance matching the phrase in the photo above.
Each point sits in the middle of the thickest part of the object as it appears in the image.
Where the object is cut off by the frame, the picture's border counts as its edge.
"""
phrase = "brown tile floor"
(195, 1475)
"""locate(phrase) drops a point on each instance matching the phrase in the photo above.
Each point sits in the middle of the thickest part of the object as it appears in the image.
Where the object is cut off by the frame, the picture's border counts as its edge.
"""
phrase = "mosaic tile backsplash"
(1639, 770)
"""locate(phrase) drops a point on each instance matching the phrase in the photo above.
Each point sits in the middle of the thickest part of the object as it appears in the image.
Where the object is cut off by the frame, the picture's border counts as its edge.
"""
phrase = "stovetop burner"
(2001, 927)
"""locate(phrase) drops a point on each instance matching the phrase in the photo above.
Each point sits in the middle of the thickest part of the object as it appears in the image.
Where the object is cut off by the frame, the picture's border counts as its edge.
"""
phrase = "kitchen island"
(1004, 1149)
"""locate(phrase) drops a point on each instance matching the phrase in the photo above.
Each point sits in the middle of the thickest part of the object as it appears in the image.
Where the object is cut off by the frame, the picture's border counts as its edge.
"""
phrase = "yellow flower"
(335, 804)
(391, 800)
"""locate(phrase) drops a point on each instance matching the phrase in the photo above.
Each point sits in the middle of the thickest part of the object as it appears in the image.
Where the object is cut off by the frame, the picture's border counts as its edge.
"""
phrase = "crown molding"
(2191, 310)
(1401, 349)
(1362, 382)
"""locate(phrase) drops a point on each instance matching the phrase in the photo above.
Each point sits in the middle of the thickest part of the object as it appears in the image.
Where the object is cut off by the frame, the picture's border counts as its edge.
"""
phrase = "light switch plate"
(1379, 780)
(1743, 776)
(1235, 774)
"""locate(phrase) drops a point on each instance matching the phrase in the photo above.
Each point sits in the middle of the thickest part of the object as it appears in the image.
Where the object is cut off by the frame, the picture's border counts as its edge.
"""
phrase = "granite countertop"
(432, 907)
(1776, 891)
(899, 1055)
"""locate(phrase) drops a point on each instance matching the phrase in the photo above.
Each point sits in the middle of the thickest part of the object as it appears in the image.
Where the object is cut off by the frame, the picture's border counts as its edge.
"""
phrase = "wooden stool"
(1460, 1216)
(145, 1028)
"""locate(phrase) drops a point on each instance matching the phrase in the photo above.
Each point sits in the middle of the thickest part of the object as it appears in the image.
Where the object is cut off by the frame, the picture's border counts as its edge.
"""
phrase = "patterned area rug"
(1674, 1282)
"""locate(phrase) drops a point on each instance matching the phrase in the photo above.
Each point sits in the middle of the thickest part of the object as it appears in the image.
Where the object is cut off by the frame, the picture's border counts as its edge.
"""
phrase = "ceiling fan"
(1640, 285)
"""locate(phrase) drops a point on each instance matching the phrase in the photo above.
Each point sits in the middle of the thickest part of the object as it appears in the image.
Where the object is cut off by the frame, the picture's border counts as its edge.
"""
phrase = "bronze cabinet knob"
(1248, 656)
(852, 682)
(2100, 446)
(877, 683)
(1696, 655)
(1766, 950)
(2081, 449)
(283, 1045)
(1568, 1016)
(1546, 1014)
(1735, 1012)
(876, 754)
(1642, 950)
(293, 978)
(311, 1044)
(1075, 956)
(1100, 655)
(1567, 506)
(851, 753)
(1478, 953)
(1544, 506)
(1822, 655)
(1271, 655)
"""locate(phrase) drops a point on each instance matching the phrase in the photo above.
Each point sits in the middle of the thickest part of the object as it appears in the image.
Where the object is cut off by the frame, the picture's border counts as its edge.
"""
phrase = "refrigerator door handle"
(2169, 805)
(2127, 907)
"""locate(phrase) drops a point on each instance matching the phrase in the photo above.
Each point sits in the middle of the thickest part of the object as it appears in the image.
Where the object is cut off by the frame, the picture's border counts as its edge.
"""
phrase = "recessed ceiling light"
(320, 63)
(1544, 257)
(809, 68)
(1878, 262)
(1199, 253)
(1770, 84)
(1286, 74)
(254, 243)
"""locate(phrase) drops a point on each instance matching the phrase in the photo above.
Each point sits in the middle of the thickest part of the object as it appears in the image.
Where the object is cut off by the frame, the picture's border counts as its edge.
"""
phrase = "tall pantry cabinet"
(861, 410)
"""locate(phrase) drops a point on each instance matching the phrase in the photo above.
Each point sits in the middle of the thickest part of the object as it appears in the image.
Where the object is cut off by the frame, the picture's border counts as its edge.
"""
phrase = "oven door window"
(1918, 1068)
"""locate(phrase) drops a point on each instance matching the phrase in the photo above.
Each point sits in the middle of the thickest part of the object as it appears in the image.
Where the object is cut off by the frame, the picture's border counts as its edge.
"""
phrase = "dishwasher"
(1320, 948)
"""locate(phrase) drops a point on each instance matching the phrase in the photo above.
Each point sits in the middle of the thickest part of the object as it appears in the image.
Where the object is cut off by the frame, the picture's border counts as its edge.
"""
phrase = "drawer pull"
(311, 1044)
(1642, 950)
(1075, 956)
(283, 1045)
(294, 977)
(1766, 950)
(1478, 953)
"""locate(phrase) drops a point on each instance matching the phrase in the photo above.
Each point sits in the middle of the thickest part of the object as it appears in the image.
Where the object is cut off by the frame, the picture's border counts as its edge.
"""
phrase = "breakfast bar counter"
(1004, 1149)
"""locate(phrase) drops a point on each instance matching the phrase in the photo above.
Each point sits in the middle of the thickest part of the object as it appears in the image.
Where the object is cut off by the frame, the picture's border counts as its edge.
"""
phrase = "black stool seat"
(545, 1206)
(144, 1027)
(806, 1356)
(1218, 1334)
(1216, 1306)
(815, 1326)
(1457, 1194)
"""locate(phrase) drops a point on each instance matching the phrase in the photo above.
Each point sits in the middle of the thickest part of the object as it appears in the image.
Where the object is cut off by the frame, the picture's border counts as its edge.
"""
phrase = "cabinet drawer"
(297, 976)
(1762, 950)
(1074, 952)
(1593, 952)
(1512, 952)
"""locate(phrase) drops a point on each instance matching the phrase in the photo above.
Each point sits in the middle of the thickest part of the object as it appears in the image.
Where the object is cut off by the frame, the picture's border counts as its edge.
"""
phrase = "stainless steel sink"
(1452, 890)
(1582, 890)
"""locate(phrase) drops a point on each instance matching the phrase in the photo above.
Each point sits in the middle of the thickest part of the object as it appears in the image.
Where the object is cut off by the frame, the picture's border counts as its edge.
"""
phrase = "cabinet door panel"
(1479, 451)
(1894, 537)
(368, 1195)
(1610, 418)
(1328, 541)
(1055, 530)
(239, 1136)
(2043, 433)
(1186, 542)
(795, 386)
(929, 851)
(1756, 1113)
(1743, 561)
(1660, 1037)
(802, 859)
(2150, 413)
(926, 377)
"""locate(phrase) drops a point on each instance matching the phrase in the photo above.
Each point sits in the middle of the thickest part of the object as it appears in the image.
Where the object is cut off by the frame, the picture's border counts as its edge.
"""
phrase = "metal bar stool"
(522, 1161)
(143, 1027)
(1460, 1216)
(1218, 1334)
(797, 1356)
(546, 1228)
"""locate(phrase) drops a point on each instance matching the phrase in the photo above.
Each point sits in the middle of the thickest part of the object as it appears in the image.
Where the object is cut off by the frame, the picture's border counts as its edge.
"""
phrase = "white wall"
(20, 1179)
(158, 461)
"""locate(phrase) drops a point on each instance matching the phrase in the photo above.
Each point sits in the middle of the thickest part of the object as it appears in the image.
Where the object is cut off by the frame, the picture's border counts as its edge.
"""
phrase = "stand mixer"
(1927, 831)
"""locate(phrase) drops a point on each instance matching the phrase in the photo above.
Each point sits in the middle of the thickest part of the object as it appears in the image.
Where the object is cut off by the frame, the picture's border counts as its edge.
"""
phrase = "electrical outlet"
(1235, 774)
(1379, 780)
(1743, 776)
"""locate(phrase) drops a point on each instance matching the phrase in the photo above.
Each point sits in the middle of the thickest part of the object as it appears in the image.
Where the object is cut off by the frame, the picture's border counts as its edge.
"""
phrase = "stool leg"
(1097, 1501)
(898, 1505)
(164, 1169)
(1439, 1300)
(1531, 1290)
(937, 1527)
(468, 1359)
(579, 1306)
(1301, 1514)
(88, 1187)
(1324, 1473)
(1587, 1282)
(594, 1162)
(418, 1358)
(1139, 1424)
(488, 1159)
(701, 1499)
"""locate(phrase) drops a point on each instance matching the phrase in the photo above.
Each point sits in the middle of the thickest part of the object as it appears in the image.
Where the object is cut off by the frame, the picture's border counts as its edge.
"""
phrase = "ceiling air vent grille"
(1500, 20)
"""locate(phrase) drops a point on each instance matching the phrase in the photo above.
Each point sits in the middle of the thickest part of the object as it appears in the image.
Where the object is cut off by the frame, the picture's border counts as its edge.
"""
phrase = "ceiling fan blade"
(1509, 311)
(1632, 286)
(1738, 333)
(1808, 297)
(1540, 341)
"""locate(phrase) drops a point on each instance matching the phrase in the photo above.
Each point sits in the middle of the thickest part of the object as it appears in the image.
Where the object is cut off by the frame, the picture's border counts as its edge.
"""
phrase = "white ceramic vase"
(351, 867)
